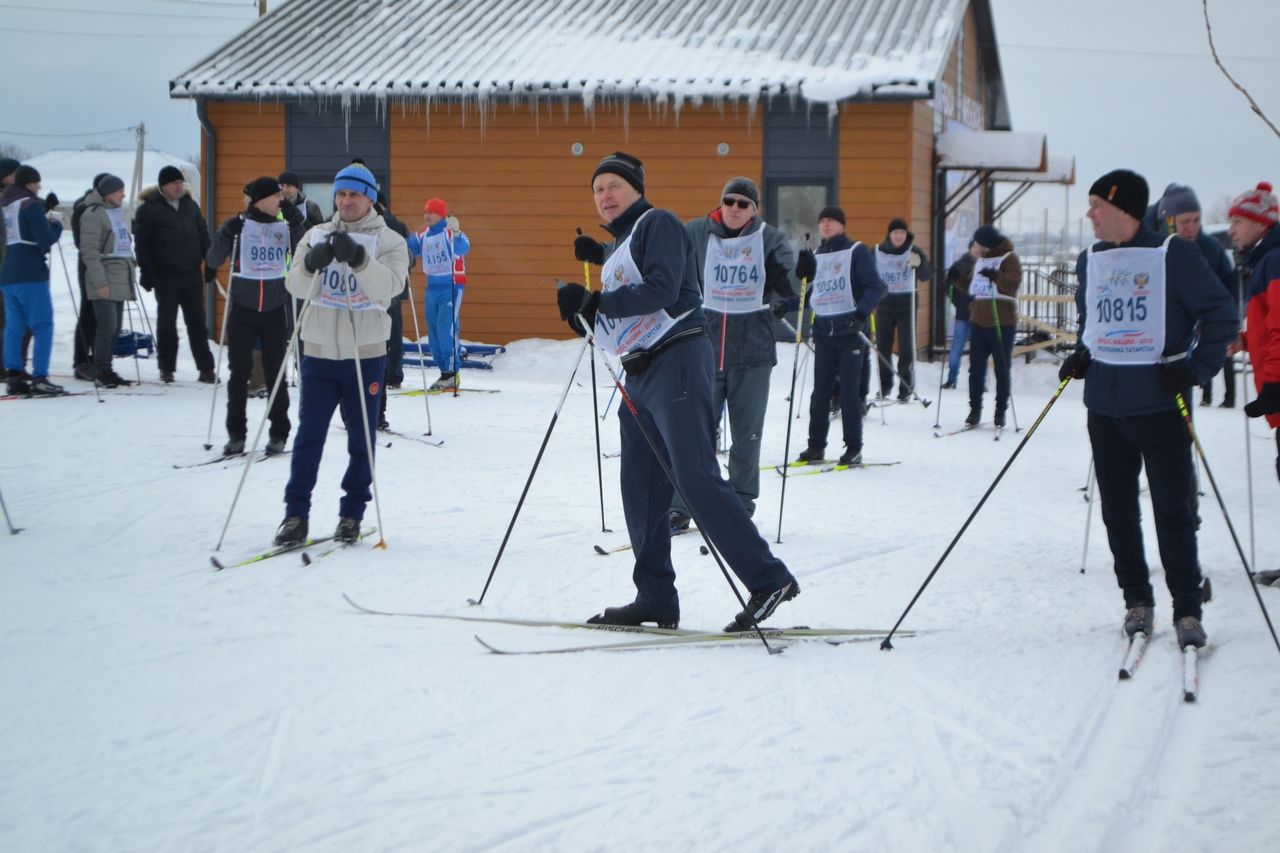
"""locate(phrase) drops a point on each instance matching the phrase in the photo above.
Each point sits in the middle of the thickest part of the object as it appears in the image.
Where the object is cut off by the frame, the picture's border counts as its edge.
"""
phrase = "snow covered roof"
(69, 172)
(1059, 170)
(824, 50)
(992, 149)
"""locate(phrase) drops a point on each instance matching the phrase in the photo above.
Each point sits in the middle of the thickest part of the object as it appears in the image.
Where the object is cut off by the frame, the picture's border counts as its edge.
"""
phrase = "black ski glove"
(210, 275)
(232, 227)
(779, 308)
(50, 201)
(587, 249)
(989, 273)
(318, 257)
(145, 281)
(1176, 377)
(1268, 402)
(1075, 365)
(858, 323)
(575, 299)
(291, 213)
(806, 265)
(347, 251)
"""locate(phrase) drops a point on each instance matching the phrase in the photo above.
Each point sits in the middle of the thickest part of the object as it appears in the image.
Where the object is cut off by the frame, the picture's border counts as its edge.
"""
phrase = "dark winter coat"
(1192, 301)
(924, 272)
(25, 262)
(961, 270)
(668, 266)
(256, 294)
(1008, 280)
(748, 338)
(168, 239)
(868, 289)
(1262, 334)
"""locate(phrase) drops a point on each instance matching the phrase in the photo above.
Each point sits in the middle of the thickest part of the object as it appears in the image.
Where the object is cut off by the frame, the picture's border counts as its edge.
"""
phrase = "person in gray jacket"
(347, 271)
(106, 249)
(745, 270)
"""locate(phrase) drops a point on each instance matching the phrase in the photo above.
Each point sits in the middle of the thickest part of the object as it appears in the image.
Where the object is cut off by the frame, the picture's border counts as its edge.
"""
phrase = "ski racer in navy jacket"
(24, 280)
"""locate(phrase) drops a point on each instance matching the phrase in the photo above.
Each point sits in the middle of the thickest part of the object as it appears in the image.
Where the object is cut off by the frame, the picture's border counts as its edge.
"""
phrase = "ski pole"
(1013, 407)
(946, 366)
(886, 644)
(222, 338)
(364, 412)
(271, 398)
(879, 365)
(75, 308)
(791, 402)
(13, 531)
(555, 416)
(595, 407)
(609, 404)
(666, 469)
(1088, 519)
(1195, 440)
(924, 401)
(1248, 467)
(422, 359)
(133, 341)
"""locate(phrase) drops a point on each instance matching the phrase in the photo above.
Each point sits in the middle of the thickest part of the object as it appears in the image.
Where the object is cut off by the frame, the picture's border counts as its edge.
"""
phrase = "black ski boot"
(851, 457)
(275, 445)
(975, 416)
(812, 455)
(761, 606)
(1190, 632)
(292, 531)
(347, 531)
(233, 447)
(1139, 619)
(634, 614)
(998, 420)
(679, 522)
(18, 385)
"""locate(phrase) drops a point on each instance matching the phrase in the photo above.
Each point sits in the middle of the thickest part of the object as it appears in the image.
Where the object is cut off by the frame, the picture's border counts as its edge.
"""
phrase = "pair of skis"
(826, 466)
(1190, 665)
(626, 546)
(228, 457)
(328, 545)
(653, 637)
(967, 428)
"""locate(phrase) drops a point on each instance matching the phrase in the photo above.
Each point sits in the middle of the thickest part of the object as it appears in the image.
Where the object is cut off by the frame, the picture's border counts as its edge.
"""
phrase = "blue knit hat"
(358, 179)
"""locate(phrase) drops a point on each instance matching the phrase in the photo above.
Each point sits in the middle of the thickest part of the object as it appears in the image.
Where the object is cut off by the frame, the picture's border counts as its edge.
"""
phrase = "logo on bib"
(1141, 279)
(374, 387)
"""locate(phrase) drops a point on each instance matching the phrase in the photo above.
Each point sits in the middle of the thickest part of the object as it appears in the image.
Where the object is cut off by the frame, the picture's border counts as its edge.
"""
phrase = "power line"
(113, 13)
(100, 34)
(61, 135)
(1126, 52)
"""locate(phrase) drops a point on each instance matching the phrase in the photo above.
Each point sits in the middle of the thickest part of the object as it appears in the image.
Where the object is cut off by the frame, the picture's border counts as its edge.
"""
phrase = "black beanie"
(1125, 189)
(625, 166)
(260, 188)
(898, 225)
(744, 187)
(290, 178)
(24, 175)
(107, 184)
(987, 236)
(8, 166)
(832, 213)
(169, 174)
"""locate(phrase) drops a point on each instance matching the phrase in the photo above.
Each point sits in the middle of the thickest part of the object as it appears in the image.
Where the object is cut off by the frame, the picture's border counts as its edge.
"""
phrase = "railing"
(1047, 317)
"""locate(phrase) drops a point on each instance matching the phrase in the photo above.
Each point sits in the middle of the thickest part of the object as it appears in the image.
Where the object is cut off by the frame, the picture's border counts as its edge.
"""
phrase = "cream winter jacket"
(327, 331)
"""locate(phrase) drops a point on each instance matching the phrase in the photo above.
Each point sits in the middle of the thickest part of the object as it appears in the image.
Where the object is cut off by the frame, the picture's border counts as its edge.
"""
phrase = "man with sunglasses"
(745, 268)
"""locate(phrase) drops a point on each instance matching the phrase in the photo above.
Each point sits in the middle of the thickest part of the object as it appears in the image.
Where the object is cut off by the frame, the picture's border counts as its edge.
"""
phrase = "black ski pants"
(183, 290)
(245, 327)
(836, 357)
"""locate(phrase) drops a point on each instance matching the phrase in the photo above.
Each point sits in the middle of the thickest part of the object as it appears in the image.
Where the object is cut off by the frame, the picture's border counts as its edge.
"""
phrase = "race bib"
(339, 284)
(124, 239)
(733, 275)
(1125, 301)
(264, 248)
(11, 234)
(982, 287)
(831, 291)
(624, 334)
(895, 271)
(437, 253)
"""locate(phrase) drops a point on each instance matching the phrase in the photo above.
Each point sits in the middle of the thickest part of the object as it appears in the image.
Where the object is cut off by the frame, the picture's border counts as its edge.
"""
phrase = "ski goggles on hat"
(743, 203)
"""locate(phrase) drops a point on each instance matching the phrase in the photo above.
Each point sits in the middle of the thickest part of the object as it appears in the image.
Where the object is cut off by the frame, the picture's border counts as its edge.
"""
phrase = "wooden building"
(504, 107)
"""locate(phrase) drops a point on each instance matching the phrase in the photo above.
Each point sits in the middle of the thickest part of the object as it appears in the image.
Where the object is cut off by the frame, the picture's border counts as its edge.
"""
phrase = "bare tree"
(1253, 105)
(17, 152)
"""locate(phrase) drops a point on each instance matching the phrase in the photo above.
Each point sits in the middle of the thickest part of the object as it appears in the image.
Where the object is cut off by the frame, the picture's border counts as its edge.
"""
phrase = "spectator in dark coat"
(170, 242)
(993, 317)
(1178, 212)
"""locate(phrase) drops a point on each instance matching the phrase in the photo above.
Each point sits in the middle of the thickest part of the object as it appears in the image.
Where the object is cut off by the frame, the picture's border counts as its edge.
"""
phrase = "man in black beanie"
(170, 241)
(650, 313)
(1139, 314)
(902, 265)
(291, 186)
(7, 167)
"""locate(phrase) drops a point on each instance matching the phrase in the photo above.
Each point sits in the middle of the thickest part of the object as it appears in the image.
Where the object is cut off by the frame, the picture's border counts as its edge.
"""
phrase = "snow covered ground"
(151, 703)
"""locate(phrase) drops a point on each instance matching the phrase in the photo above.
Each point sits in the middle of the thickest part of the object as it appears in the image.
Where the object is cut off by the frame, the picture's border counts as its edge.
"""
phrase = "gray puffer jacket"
(97, 243)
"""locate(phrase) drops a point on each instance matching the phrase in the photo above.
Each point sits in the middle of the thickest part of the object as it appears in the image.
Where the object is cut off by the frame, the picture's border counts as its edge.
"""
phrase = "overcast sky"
(1117, 83)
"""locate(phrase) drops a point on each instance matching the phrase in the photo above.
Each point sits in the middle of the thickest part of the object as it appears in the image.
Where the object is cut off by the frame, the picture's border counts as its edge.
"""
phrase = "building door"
(801, 155)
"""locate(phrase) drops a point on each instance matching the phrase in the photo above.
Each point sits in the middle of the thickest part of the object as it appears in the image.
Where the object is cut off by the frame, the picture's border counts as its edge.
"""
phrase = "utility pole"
(262, 8)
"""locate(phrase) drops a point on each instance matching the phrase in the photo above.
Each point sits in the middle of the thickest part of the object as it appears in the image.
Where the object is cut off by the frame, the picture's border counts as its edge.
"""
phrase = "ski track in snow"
(151, 703)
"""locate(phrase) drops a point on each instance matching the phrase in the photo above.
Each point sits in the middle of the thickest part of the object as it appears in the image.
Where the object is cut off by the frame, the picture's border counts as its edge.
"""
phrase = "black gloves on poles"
(232, 227)
(575, 299)
(1268, 402)
(587, 249)
(318, 257)
(806, 265)
(347, 250)
(1075, 365)
(1176, 377)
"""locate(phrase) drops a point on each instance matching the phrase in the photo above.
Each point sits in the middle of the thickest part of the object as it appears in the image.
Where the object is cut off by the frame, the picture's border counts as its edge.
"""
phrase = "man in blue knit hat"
(347, 270)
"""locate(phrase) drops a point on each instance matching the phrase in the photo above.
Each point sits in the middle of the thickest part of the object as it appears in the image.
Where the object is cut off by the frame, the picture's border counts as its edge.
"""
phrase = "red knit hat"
(436, 206)
(1257, 204)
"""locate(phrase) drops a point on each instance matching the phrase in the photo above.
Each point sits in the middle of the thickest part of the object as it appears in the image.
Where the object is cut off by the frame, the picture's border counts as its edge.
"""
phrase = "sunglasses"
(740, 202)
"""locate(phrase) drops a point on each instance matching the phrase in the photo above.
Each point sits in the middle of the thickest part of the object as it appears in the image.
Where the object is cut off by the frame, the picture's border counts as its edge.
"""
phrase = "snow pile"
(152, 703)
